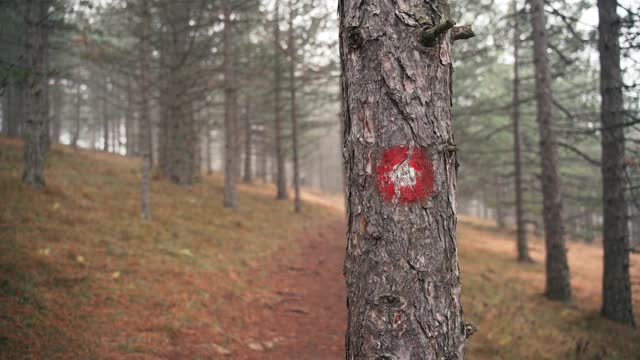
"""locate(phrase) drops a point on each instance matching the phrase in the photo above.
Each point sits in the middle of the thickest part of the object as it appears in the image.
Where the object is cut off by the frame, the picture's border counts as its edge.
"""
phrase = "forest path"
(307, 317)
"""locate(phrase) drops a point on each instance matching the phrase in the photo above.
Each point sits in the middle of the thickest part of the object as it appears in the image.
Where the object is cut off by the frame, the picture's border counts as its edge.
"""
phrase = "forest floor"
(83, 277)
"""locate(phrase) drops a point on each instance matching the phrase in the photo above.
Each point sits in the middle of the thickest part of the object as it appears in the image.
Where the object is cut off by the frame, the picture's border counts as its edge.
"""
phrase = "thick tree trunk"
(297, 204)
(230, 103)
(616, 286)
(521, 225)
(36, 124)
(401, 266)
(145, 121)
(558, 286)
(281, 175)
(179, 128)
(248, 141)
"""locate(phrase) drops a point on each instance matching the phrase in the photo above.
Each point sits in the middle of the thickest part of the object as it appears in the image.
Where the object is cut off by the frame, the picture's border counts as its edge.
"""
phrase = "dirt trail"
(306, 318)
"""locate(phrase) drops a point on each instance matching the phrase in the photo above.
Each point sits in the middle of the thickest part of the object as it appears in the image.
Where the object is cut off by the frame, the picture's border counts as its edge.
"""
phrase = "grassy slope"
(504, 299)
(82, 276)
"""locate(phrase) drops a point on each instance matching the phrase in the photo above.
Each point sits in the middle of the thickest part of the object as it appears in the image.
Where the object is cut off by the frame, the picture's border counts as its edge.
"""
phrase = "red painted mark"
(405, 174)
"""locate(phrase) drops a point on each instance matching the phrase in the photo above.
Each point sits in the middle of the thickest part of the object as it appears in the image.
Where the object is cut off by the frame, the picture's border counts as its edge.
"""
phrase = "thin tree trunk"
(589, 225)
(5, 113)
(230, 136)
(128, 118)
(56, 100)
(105, 118)
(248, 141)
(521, 225)
(501, 222)
(401, 266)
(36, 125)
(208, 145)
(145, 122)
(75, 133)
(264, 143)
(297, 205)
(115, 134)
(281, 176)
(616, 286)
(16, 110)
(558, 286)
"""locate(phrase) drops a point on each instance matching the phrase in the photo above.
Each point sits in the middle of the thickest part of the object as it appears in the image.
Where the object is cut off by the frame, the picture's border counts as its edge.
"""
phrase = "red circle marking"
(405, 174)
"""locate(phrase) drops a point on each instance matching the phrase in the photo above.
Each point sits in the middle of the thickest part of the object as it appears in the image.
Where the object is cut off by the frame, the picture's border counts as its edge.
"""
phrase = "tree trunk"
(401, 266)
(105, 117)
(145, 122)
(5, 106)
(281, 175)
(178, 128)
(230, 103)
(16, 110)
(501, 221)
(263, 156)
(521, 225)
(56, 107)
(128, 118)
(558, 286)
(208, 144)
(589, 227)
(297, 205)
(75, 133)
(616, 286)
(36, 125)
(248, 141)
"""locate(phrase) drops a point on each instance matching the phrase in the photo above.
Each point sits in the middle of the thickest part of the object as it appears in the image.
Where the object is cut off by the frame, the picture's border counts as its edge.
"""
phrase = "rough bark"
(297, 204)
(521, 226)
(178, 131)
(145, 121)
(281, 176)
(401, 266)
(230, 103)
(558, 286)
(37, 109)
(616, 286)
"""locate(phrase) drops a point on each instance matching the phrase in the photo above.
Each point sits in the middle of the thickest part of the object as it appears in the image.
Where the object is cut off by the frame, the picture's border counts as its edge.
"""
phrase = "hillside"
(83, 277)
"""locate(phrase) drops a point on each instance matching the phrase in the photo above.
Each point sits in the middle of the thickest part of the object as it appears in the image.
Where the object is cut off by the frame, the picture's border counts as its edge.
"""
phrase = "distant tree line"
(185, 85)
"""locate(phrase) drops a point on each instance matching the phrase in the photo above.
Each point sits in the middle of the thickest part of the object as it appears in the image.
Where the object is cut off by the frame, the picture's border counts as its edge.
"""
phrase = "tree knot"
(469, 329)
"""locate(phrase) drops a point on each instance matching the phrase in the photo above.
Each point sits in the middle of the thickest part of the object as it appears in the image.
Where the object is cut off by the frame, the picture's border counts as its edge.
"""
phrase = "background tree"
(616, 288)
(36, 135)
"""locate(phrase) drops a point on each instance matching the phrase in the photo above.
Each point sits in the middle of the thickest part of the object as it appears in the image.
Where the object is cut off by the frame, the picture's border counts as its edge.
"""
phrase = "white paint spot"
(403, 175)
